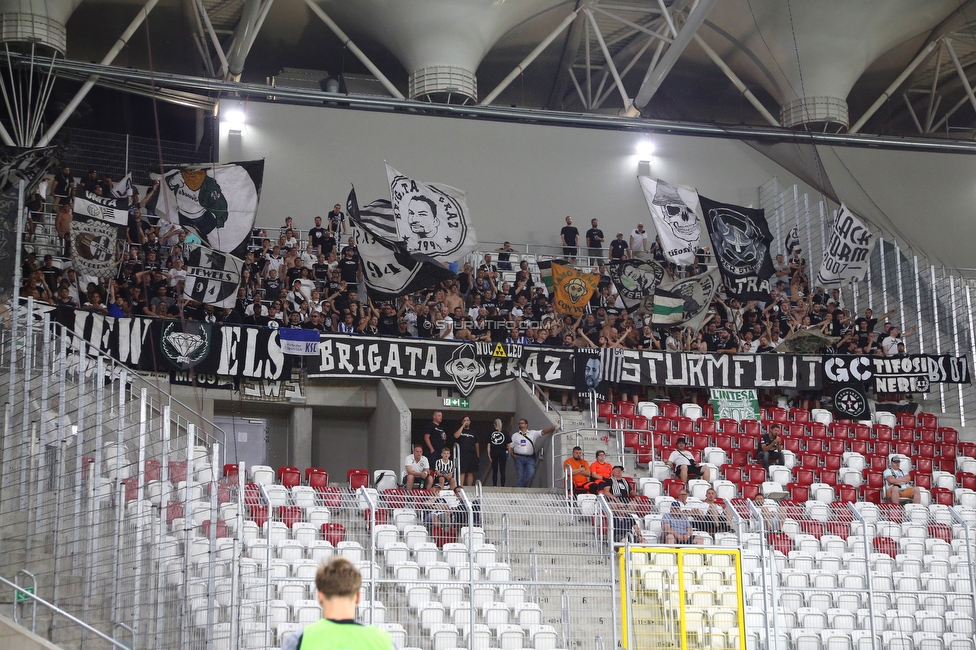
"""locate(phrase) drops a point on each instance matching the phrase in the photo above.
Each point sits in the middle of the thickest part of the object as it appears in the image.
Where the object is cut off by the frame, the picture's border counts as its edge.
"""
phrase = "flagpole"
(901, 288)
(806, 212)
(938, 337)
(955, 344)
(918, 307)
(884, 275)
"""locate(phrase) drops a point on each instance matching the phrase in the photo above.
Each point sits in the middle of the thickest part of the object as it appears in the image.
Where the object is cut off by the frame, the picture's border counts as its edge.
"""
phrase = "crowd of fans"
(313, 280)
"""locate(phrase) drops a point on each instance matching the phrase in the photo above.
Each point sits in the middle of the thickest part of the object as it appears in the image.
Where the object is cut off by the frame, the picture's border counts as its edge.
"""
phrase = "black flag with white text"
(740, 240)
(211, 277)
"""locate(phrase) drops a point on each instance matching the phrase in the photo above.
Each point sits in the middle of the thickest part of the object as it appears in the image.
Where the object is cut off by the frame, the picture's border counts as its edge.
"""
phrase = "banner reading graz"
(469, 365)
(166, 345)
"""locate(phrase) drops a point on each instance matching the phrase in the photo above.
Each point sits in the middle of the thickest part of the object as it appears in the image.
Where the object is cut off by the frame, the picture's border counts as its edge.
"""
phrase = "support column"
(300, 437)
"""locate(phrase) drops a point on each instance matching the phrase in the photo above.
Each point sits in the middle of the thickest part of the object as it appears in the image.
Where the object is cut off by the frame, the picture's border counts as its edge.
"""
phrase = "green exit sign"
(21, 596)
(457, 402)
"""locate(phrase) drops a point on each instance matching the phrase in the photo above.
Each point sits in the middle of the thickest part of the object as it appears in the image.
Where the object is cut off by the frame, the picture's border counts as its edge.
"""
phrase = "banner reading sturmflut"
(740, 240)
(848, 252)
(675, 214)
(217, 202)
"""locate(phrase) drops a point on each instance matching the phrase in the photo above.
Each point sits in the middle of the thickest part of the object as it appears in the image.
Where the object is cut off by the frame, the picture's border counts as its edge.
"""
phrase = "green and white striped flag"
(669, 308)
(545, 272)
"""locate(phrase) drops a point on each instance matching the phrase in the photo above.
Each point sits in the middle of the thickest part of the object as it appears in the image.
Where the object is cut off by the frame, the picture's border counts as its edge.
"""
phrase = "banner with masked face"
(675, 214)
(740, 240)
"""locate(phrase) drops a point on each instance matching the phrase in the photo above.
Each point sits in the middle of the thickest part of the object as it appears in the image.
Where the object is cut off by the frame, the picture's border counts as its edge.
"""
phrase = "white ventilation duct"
(38, 22)
(809, 54)
(440, 42)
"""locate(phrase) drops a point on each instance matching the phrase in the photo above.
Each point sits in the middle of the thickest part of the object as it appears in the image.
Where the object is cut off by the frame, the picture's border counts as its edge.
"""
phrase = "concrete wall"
(389, 429)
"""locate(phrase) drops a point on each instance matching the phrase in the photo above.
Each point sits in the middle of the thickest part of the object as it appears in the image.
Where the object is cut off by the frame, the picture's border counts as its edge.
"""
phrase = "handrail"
(552, 456)
(58, 610)
(364, 493)
(537, 390)
(33, 587)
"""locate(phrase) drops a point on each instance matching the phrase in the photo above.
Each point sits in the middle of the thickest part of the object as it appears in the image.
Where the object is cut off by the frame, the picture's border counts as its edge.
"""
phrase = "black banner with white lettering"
(905, 374)
(169, 345)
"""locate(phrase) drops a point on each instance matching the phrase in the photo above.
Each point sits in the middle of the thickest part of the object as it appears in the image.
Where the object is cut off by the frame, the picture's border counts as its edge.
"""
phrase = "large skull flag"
(675, 214)
(740, 239)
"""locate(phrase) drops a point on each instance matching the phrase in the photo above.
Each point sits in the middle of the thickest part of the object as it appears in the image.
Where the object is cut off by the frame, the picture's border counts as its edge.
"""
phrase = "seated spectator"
(898, 484)
(579, 470)
(684, 465)
(711, 517)
(600, 471)
(444, 470)
(417, 469)
(676, 527)
(616, 489)
(771, 447)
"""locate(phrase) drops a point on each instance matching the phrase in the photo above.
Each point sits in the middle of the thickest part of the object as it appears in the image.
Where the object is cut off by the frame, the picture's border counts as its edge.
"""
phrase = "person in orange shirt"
(579, 470)
(600, 469)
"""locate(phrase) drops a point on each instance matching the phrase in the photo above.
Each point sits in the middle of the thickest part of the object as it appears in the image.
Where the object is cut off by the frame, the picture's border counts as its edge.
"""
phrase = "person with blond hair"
(337, 585)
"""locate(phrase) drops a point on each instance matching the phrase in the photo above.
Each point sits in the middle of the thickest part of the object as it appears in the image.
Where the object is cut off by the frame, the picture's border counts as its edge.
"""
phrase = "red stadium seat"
(382, 517)
(839, 528)
(285, 468)
(892, 512)
(827, 478)
(836, 428)
(644, 456)
(832, 462)
(792, 444)
(947, 435)
(604, 410)
(728, 426)
(817, 430)
(877, 463)
(942, 496)
(357, 478)
(811, 527)
(259, 514)
(642, 505)
(875, 480)
(626, 409)
(641, 423)
(750, 427)
(779, 414)
(631, 440)
(223, 493)
(757, 475)
(706, 425)
(685, 425)
(795, 430)
(394, 498)
(862, 432)
(153, 469)
(699, 441)
(289, 476)
(966, 480)
(816, 445)
(802, 476)
(732, 473)
(670, 409)
(947, 464)
(741, 458)
(662, 440)
(947, 451)
(333, 533)
(289, 515)
(921, 480)
(869, 494)
(792, 509)
(131, 488)
(708, 411)
(886, 545)
(924, 465)
(836, 447)
(781, 542)
(904, 448)
(220, 529)
(841, 510)
(906, 419)
(331, 497)
(724, 443)
(846, 493)
(619, 422)
(928, 420)
(318, 479)
(749, 444)
(672, 486)
(231, 471)
(904, 434)
(882, 432)
(967, 449)
(313, 470)
(749, 490)
(941, 531)
(927, 436)
(858, 447)
(662, 423)
(176, 471)
(800, 493)
(810, 461)
(799, 415)
(926, 450)
(174, 510)
(882, 448)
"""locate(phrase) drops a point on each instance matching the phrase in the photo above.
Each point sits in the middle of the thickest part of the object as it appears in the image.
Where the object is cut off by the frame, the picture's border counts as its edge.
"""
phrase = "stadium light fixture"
(234, 119)
(644, 149)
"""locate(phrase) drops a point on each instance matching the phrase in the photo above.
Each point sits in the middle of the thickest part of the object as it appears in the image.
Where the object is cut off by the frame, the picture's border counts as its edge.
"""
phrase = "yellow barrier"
(681, 598)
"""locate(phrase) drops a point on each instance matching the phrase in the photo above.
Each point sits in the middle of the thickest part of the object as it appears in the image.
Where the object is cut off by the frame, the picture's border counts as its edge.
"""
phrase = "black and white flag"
(740, 240)
(848, 253)
(389, 269)
(98, 233)
(685, 302)
(675, 214)
(636, 281)
(792, 240)
(217, 202)
(212, 277)
(123, 187)
(431, 219)
(612, 362)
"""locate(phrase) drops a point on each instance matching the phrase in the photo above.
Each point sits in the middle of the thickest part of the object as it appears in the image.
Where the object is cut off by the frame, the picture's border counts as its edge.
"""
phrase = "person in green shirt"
(337, 584)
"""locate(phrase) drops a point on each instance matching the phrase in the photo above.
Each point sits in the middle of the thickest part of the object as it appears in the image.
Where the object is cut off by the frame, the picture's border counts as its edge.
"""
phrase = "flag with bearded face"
(216, 202)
